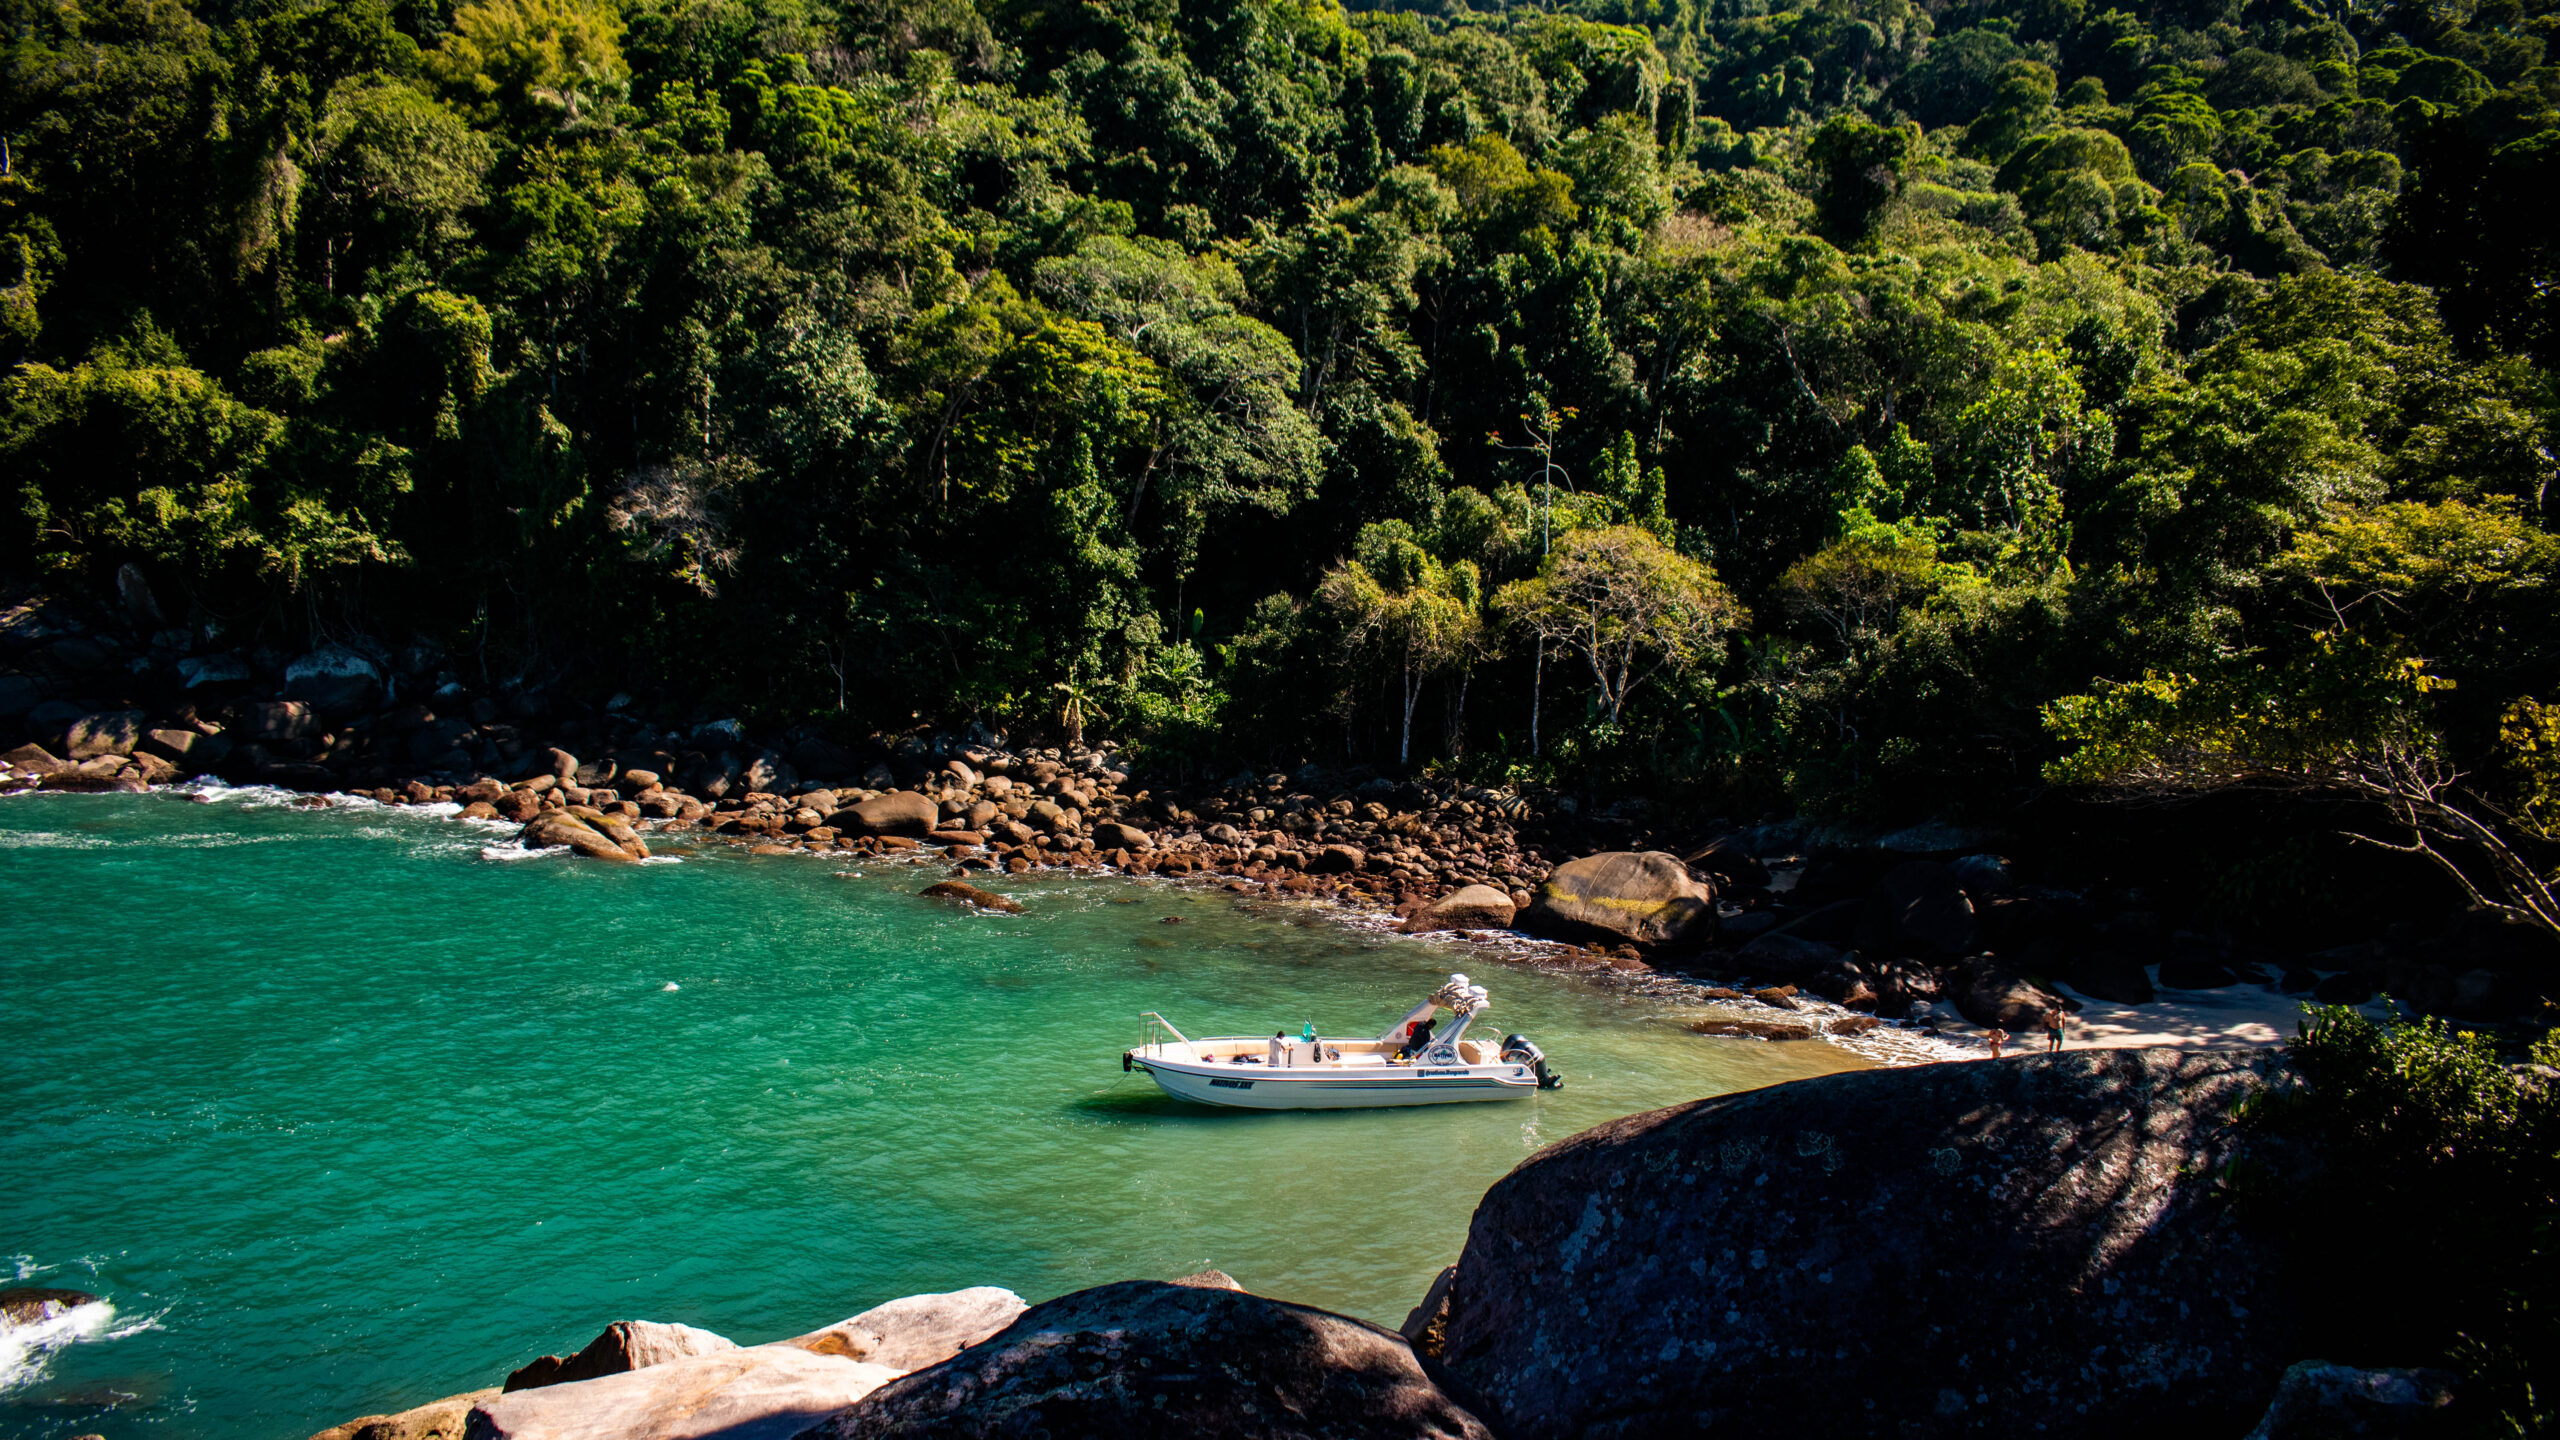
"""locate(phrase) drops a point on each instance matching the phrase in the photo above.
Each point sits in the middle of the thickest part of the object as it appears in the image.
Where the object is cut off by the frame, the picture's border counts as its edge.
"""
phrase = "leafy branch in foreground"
(2350, 714)
(2345, 720)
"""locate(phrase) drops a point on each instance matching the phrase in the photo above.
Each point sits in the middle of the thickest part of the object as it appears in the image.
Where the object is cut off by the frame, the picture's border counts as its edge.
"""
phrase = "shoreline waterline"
(368, 1118)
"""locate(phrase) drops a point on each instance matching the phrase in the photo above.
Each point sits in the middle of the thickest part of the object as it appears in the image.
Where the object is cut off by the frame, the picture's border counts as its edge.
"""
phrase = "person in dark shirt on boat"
(1417, 1038)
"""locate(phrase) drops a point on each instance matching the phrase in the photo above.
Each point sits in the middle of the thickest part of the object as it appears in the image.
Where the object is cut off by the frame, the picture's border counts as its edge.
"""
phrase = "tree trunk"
(1537, 680)
(1412, 692)
(1458, 715)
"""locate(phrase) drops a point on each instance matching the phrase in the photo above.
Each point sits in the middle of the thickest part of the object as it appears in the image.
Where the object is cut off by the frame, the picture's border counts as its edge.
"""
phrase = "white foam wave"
(517, 852)
(26, 1351)
(50, 840)
(664, 860)
(255, 797)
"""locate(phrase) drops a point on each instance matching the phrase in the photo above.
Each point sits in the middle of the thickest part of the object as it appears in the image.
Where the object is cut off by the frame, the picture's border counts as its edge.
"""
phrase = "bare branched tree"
(677, 515)
(1631, 606)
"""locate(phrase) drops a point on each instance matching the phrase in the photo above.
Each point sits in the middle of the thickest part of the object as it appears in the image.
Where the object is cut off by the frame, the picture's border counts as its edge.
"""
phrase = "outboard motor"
(1517, 1050)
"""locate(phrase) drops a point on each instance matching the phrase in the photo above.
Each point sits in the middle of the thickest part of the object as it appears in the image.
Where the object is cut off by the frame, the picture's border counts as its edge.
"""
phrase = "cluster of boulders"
(2043, 1245)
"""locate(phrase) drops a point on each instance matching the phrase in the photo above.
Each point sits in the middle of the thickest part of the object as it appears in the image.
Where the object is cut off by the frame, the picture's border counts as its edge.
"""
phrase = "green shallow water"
(343, 1115)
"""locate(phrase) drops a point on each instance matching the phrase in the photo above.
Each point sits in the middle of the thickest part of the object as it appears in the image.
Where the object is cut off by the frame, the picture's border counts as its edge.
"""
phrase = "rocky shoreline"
(1796, 930)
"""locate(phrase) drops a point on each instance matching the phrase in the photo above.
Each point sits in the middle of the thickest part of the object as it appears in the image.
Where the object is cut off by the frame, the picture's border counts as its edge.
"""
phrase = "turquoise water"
(344, 1115)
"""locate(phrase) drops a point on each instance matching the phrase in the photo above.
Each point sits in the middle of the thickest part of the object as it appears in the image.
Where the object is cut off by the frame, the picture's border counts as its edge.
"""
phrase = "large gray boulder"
(1142, 1358)
(624, 1345)
(333, 680)
(116, 732)
(1990, 995)
(1647, 897)
(1924, 911)
(760, 1392)
(1785, 957)
(2033, 1246)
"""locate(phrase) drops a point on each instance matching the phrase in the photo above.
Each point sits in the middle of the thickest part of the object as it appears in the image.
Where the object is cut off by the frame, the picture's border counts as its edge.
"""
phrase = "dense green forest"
(1863, 407)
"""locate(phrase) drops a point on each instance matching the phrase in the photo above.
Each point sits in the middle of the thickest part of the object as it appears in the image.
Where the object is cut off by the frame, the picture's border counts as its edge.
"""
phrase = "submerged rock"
(1146, 1358)
(30, 1305)
(625, 1345)
(1649, 898)
(1942, 1250)
(983, 899)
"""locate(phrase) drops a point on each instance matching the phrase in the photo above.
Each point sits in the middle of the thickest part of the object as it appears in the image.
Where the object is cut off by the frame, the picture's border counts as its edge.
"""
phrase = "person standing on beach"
(2053, 1031)
(1998, 1037)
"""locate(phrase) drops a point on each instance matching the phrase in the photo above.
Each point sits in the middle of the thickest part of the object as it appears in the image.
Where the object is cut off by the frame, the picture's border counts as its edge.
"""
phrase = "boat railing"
(1152, 1039)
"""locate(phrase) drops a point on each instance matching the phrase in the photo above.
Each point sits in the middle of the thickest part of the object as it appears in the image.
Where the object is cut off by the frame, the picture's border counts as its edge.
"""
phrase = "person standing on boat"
(1279, 1049)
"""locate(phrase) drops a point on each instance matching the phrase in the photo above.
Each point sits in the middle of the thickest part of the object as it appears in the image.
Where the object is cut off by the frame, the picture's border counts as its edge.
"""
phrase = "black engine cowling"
(1518, 1050)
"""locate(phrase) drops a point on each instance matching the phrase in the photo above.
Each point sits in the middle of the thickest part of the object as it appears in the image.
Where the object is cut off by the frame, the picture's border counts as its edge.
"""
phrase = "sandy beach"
(2241, 1016)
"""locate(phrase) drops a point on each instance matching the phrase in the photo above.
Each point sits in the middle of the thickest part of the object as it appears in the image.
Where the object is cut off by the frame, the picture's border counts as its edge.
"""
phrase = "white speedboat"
(1283, 1073)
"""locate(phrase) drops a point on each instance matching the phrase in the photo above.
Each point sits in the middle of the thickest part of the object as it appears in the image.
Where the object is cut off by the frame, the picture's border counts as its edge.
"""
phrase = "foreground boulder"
(1648, 898)
(918, 1330)
(435, 1420)
(2032, 1245)
(1475, 907)
(1145, 1358)
(761, 1392)
(625, 1345)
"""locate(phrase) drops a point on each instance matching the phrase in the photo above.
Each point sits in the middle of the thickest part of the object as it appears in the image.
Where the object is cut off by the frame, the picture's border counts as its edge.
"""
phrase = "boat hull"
(1358, 1088)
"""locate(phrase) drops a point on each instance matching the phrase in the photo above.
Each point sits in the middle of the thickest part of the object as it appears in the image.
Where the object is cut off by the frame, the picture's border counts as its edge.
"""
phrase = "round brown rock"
(898, 812)
(1476, 907)
(1646, 897)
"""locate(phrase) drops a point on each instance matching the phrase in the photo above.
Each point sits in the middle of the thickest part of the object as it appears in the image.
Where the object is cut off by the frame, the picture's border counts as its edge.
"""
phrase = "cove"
(343, 1115)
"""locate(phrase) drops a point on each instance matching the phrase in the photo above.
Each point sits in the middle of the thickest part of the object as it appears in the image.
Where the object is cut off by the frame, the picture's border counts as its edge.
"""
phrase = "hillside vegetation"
(1866, 408)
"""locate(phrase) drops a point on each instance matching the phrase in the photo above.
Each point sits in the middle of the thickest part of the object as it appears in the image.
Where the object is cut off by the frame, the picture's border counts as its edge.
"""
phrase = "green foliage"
(1992, 355)
(2423, 1133)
